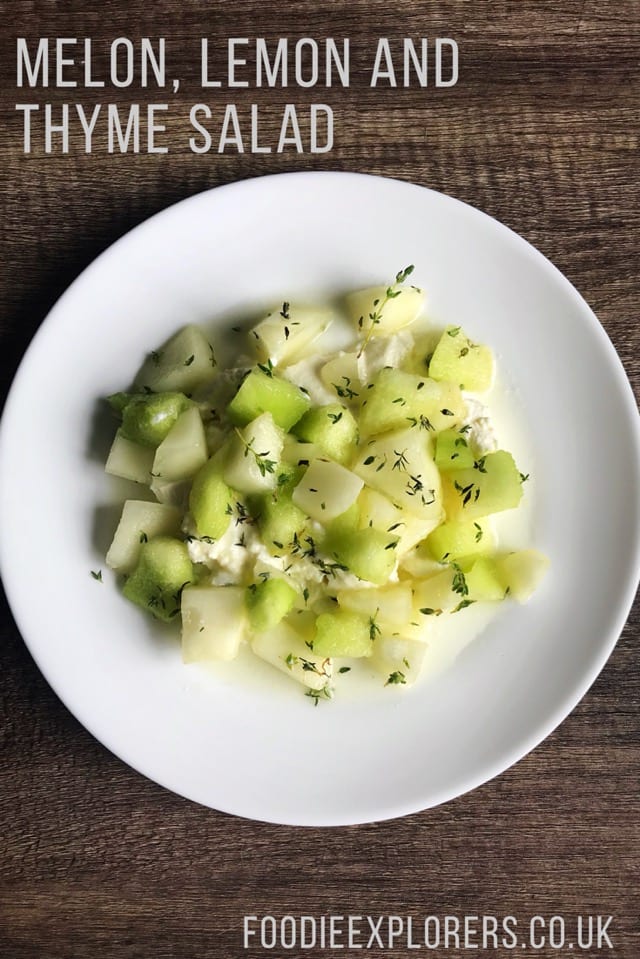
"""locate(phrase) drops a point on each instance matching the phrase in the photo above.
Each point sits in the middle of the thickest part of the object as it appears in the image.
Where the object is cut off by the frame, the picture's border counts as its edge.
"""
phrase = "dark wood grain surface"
(541, 132)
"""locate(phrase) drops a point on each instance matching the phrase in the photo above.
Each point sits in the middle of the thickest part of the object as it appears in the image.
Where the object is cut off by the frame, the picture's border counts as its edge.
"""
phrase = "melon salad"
(323, 509)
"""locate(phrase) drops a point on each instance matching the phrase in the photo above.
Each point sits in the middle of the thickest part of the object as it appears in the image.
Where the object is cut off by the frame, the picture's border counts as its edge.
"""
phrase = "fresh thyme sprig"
(378, 306)
(264, 465)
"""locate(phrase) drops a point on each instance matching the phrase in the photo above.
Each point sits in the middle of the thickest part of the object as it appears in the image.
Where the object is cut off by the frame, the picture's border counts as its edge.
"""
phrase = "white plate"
(265, 753)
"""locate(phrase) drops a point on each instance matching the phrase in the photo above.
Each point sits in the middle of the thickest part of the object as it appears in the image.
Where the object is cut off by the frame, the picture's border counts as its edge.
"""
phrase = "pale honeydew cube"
(214, 621)
(287, 333)
(378, 511)
(390, 605)
(396, 313)
(326, 490)
(140, 521)
(285, 649)
(399, 659)
(401, 466)
(183, 363)
(183, 450)
(253, 457)
(130, 460)
(522, 572)
(341, 377)
(435, 595)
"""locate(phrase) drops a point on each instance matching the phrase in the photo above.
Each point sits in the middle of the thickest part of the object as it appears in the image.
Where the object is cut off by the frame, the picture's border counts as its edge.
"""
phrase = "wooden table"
(541, 131)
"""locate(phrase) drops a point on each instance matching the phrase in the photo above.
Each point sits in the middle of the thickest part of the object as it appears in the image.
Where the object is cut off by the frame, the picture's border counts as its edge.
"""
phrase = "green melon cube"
(332, 429)
(156, 583)
(262, 392)
(521, 572)
(211, 500)
(268, 602)
(453, 452)
(457, 360)
(396, 400)
(343, 633)
(483, 581)
(457, 538)
(346, 522)
(147, 418)
(184, 362)
(492, 485)
(370, 554)
(279, 521)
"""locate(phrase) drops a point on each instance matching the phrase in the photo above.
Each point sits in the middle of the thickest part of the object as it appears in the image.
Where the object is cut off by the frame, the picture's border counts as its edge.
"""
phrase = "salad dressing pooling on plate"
(334, 511)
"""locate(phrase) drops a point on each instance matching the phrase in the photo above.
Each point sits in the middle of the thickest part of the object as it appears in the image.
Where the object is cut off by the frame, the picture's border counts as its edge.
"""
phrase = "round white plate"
(263, 751)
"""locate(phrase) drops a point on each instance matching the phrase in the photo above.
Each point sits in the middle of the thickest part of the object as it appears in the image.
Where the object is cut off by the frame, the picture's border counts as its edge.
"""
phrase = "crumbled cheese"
(383, 351)
(306, 375)
(240, 556)
(481, 435)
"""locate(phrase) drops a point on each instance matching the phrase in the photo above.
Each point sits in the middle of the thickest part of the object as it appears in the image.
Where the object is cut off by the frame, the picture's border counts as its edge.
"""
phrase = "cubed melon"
(343, 633)
(521, 572)
(254, 456)
(279, 521)
(183, 450)
(374, 312)
(147, 418)
(494, 484)
(211, 500)
(401, 466)
(184, 362)
(140, 521)
(457, 538)
(439, 593)
(378, 511)
(332, 429)
(395, 399)
(264, 392)
(284, 334)
(369, 554)
(214, 621)
(340, 374)
(269, 601)
(163, 569)
(457, 360)
(453, 451)
(391, 605)
(130, 460)
(483, 581)
(286, 649)
(326, 490)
